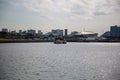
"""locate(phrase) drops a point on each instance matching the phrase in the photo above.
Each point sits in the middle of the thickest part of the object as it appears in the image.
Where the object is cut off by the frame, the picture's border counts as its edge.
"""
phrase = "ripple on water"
(60, 62)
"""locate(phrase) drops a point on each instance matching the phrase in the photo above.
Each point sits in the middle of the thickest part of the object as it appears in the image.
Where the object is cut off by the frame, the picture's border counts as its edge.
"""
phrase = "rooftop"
(86, 32)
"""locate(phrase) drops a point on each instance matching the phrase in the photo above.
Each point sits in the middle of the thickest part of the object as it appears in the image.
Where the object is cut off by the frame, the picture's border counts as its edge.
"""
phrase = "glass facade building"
(115, 31)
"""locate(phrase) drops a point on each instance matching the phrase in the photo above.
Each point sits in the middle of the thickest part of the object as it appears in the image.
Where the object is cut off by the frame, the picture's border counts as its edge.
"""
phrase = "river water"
(71, 61)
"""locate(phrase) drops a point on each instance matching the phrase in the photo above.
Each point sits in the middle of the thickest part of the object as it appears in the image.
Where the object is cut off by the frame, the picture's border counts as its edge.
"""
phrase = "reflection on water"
(71, 61)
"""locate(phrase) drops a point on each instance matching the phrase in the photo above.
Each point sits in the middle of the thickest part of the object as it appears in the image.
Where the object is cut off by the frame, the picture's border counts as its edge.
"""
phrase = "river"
(71, 61)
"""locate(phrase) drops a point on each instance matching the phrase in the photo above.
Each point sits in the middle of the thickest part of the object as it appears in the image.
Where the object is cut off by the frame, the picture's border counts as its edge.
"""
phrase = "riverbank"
(21, 41)
(28, 41)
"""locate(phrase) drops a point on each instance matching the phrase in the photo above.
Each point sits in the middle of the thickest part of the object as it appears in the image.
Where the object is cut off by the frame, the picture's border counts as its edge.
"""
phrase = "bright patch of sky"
(91, 15)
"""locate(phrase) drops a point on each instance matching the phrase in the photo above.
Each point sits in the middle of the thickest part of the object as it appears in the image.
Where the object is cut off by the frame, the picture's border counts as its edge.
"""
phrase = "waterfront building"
(40, 32)
(24, 32)
(115, 31)
(66, 32)
(48, 33)
(20, 31)
(4, 30)
(13, 32)
(106, 34)
(87, 35)
(57, 32)
(74, 33)
(31, 31)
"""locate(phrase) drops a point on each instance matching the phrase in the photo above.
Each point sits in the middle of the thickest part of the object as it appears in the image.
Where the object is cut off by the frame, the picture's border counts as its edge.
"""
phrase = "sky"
(74, 15)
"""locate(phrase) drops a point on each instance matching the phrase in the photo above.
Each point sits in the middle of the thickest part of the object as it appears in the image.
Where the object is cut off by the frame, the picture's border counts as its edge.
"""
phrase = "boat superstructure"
(60, 40)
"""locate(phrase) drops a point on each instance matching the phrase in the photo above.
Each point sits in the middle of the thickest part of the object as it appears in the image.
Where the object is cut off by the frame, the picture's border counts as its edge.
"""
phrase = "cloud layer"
(66, 9)
(73, 8)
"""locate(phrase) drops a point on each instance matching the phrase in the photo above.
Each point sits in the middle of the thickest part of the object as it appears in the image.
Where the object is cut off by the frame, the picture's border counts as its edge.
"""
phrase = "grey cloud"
(4, 2)
(85, 1)
(80, 9)
(5, 5)
(77, 7)
(99, 13)
(78, 12)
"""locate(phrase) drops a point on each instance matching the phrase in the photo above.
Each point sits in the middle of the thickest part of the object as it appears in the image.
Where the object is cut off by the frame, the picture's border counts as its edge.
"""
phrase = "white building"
(88, 35)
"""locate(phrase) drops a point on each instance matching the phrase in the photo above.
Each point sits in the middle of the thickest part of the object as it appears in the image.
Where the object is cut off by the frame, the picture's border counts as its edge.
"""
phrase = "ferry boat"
(60, 40)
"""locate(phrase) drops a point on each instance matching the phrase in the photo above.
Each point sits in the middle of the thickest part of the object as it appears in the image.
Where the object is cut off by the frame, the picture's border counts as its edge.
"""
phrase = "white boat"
(60, 40)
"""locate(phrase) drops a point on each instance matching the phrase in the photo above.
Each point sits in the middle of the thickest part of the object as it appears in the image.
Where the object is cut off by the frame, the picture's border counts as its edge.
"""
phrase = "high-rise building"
(115, 31)
(66, 31)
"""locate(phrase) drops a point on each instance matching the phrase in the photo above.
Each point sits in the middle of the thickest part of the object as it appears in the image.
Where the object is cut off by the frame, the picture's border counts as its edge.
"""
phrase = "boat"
(60, 40)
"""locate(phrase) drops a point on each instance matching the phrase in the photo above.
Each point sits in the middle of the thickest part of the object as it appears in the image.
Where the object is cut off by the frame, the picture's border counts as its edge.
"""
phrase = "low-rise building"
(31, 31)
(74, 33)
(57, 32)
(40, 32)
(4, 30)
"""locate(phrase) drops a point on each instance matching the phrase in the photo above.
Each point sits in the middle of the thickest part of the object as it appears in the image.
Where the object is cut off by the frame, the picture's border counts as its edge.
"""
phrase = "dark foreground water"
(71, 61)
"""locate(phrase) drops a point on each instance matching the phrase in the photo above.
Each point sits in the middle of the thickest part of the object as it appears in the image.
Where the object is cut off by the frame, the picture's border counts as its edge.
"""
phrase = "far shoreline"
(45, 41)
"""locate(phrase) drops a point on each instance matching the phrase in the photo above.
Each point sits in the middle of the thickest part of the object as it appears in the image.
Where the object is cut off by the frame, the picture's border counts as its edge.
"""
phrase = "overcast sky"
(91, 15)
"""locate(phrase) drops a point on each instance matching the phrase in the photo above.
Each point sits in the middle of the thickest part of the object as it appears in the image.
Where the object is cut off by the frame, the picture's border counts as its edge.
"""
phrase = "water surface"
(71, 61)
